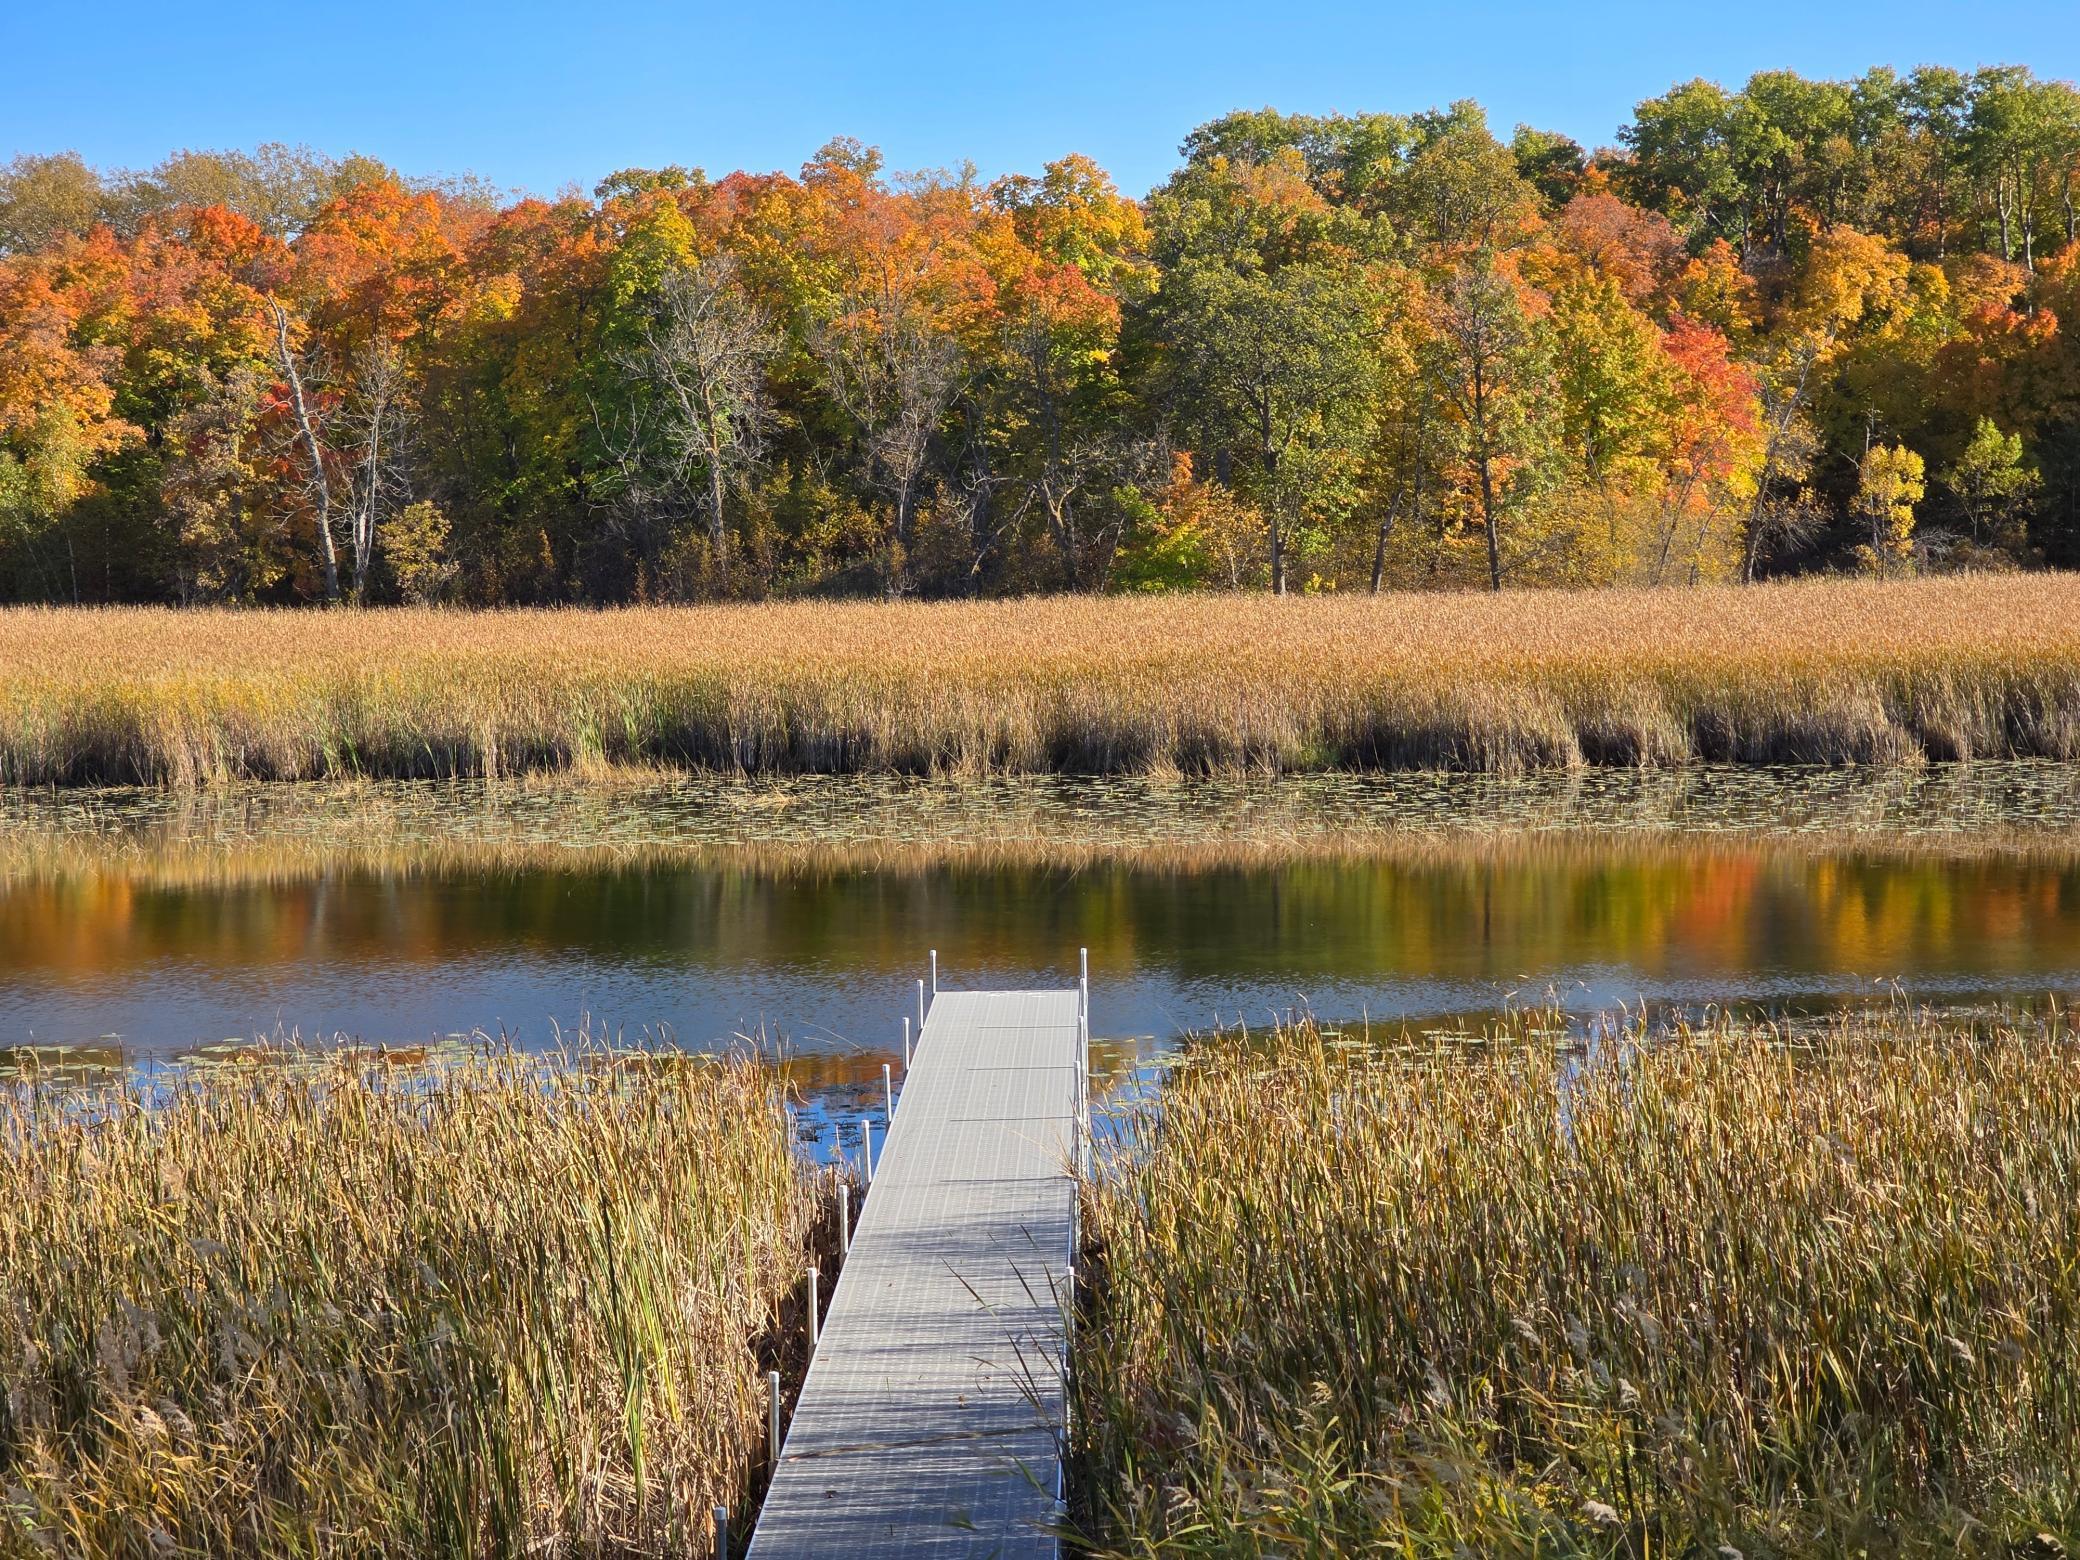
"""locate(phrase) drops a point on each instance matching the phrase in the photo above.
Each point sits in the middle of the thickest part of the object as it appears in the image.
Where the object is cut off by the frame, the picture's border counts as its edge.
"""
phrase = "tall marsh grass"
(1725, 1294)
(329, 1306)
(1833, 671)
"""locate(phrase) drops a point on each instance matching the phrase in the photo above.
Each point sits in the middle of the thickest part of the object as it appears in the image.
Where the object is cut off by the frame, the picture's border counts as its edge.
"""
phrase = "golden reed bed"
(1732, 1291)
(338, 1302)
(1832, 671)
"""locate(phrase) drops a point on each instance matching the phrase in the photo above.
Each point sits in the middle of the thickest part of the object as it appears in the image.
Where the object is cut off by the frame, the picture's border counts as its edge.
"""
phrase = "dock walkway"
(928, 1424)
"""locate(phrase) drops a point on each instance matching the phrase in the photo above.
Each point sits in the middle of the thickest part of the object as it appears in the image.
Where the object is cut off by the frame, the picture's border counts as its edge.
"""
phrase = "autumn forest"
(1792, 327)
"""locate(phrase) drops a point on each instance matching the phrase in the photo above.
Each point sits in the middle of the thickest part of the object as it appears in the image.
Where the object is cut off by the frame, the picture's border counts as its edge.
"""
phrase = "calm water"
(1692, 891)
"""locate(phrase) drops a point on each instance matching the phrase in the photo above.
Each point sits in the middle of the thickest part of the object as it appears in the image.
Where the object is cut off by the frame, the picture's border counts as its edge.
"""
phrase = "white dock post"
(920, 1007)
(888, 1093)
(722, 1533)
(935, 972)
(773, 1418)
(866, 1147)
(1083, 1059)
(906, 1043)
(812, 1275)
(844, 1220)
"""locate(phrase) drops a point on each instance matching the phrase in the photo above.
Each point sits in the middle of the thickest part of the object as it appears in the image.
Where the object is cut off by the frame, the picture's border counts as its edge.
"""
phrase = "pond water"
(139, 926)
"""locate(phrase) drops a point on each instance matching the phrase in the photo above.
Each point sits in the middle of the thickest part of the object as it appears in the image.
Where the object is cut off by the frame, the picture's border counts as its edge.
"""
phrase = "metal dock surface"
(928, 1423)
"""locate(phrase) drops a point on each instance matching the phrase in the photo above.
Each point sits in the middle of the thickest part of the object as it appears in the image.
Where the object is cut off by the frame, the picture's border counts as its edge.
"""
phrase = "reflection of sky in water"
(698, 950)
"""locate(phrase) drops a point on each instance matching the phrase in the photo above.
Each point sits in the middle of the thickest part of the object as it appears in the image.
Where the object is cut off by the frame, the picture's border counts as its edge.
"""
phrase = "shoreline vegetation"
(1734, 1290)
(1826, 671)
(341, 1301)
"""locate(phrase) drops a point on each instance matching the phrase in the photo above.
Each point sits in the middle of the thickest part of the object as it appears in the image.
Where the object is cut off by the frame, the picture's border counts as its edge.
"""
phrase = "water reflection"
(699, 950)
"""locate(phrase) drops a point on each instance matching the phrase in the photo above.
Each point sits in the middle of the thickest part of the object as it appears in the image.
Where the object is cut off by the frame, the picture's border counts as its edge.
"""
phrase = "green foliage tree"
(1551, 163)
(1683, 162)
(1461, 189)
(1993, 484)
(2022, 140)
(1489, 360)
(1268, 322)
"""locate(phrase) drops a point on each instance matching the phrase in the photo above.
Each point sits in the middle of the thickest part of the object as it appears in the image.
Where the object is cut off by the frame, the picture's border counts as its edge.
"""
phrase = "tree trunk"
(1415, 501)
(307, 432)
(1488, 521)
(363, 524)
(899, 554)
(1274, 513)
(1054, 488)
(1672, 517)
(1379, 549)
(718, 536)
(981, 504)
(1770, 449)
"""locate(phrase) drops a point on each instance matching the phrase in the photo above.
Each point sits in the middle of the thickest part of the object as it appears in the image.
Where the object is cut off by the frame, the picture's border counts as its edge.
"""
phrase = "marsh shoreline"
(1824, 671)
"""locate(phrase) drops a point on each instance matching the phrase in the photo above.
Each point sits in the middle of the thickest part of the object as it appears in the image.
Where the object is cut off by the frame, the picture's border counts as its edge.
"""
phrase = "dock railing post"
(812, 1277)
(935, 972)
(773, 1420)
(888, 1094)
(906, 1043)
(866, 1148)
(1083, 1059)
(844, 1220)
(920, 1009)
(722, 1533)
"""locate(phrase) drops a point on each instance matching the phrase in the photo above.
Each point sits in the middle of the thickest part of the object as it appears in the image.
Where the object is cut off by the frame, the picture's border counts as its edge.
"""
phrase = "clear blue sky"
(539, 96)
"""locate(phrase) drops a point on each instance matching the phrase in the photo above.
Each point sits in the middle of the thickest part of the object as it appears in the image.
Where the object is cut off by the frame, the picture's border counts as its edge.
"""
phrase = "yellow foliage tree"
(1890, 481)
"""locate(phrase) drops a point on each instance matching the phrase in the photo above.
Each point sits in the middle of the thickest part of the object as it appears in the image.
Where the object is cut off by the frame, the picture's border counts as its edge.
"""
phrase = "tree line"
(1801, 325)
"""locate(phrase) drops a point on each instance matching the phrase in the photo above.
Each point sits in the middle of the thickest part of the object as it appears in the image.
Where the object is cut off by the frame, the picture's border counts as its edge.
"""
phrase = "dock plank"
(928, 1422)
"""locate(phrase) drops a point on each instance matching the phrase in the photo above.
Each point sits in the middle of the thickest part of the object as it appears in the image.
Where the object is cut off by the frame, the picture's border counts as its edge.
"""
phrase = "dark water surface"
(1785, 892)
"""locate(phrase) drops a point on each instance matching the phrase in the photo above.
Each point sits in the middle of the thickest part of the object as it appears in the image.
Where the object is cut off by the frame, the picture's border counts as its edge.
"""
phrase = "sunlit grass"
(333, 1304)
(1829, 671)
(1812, 1297)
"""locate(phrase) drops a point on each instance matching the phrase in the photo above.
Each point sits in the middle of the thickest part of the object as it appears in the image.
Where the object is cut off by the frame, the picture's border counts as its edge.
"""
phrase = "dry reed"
(1833, 671)
(1726, 1293)
(328, 1305)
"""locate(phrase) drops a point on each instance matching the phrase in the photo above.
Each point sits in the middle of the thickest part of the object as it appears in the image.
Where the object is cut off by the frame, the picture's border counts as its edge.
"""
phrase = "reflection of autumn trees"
(1481, 913)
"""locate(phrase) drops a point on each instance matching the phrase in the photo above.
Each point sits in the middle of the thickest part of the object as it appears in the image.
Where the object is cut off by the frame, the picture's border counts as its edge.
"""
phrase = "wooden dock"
(929, 1424)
